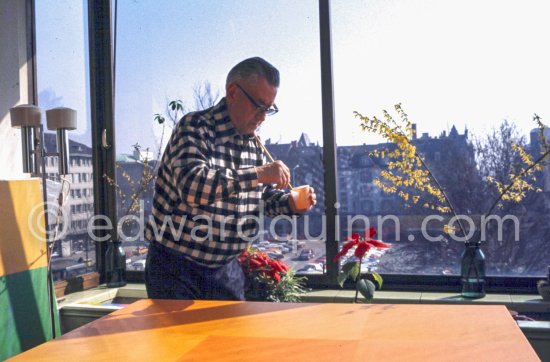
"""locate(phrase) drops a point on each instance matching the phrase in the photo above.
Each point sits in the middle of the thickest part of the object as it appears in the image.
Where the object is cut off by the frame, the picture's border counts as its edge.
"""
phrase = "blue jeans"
(169, 275)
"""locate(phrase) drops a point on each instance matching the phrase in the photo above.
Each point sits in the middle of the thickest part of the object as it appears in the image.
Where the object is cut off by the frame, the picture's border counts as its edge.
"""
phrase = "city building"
(74, 249)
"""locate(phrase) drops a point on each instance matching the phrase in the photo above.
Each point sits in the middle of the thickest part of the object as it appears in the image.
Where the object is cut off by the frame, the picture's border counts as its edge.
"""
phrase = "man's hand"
(312, 200)
(274, 173)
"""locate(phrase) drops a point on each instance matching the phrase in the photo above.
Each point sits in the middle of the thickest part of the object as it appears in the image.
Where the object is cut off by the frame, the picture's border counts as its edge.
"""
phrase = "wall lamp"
(28, 117)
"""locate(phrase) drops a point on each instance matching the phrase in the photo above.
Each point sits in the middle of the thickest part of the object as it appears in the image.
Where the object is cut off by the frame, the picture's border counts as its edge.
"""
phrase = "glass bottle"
(115, 265)
(472, 271)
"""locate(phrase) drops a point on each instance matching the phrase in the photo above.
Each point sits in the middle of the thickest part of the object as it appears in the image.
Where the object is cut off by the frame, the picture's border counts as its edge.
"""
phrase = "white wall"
(14, 83)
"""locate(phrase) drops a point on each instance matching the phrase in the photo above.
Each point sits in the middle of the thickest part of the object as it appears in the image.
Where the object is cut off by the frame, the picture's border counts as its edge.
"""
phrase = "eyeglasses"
(259, 108)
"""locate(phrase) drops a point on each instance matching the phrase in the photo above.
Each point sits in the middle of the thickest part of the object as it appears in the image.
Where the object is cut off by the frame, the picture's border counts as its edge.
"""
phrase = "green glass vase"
(472, 271)
(115, 265)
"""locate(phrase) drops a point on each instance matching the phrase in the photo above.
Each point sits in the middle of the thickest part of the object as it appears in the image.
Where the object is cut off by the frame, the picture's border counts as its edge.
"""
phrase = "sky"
(465, 63)
(62, 61)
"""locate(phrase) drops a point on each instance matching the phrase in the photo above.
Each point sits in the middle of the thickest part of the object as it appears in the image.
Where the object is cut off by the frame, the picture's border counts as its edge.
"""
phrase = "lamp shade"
(25, 115)
(61, 118)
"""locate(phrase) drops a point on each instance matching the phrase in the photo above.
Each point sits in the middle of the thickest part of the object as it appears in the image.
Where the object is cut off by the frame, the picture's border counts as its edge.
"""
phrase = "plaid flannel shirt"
(207, 194)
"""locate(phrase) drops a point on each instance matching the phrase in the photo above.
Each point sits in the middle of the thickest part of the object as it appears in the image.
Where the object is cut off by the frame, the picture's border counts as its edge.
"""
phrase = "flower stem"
(442, 191)
(515, 179)
(356, 281)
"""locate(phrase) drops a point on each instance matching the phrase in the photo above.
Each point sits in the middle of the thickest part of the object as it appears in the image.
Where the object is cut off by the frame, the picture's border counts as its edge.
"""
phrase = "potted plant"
(351, 268)
(268, 279)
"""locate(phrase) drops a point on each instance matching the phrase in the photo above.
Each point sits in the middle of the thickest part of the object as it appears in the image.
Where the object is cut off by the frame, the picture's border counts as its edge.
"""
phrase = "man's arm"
(199, 184)
(276, 202)
(279, 203)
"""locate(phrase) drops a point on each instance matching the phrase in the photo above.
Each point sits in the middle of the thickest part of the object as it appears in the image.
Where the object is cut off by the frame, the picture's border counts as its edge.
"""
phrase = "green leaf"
(341, 279)
(351, 269)
(159, 118)
(378, 279)
(366, 288)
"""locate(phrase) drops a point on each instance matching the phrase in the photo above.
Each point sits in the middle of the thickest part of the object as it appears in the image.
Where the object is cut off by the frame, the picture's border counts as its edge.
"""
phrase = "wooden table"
(169, 330)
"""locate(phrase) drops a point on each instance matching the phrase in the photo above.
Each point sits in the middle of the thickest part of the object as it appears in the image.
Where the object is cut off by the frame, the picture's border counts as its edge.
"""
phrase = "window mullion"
(329, 140)
(102, 111)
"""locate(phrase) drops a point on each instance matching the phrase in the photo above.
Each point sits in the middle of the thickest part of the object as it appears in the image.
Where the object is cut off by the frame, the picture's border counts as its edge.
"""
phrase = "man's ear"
(231, 90)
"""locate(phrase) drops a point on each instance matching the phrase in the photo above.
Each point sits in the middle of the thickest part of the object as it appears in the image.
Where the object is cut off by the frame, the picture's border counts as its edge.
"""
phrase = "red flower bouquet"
(351, 268)
(269, 279)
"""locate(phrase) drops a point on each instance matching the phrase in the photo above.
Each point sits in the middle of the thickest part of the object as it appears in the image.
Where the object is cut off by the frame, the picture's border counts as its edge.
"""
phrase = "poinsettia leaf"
(341, 279)
(351, 269)
(366, 288)
(378, 279)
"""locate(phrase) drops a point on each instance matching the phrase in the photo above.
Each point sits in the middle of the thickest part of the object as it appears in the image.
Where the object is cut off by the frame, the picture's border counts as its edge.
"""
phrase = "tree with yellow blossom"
(408, 176)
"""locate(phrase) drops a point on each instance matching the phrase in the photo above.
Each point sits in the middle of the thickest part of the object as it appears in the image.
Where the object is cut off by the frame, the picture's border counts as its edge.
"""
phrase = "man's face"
(246, 117)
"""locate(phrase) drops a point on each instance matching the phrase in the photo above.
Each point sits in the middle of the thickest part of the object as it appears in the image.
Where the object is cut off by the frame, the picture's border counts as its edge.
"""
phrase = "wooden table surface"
(169, 330)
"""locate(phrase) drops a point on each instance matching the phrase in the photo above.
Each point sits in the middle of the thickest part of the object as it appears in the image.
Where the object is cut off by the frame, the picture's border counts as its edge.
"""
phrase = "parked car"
(322, 259)
(275, 255)
(311, 268)
(290, 247)
(275, 248)
(306, 254)
(285, 248)
(139, 264)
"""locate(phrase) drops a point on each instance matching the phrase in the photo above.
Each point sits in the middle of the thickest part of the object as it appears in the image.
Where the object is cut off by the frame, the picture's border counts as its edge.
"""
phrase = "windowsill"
(106, 298)
(518, 302)
(97, 302)
(102, 297)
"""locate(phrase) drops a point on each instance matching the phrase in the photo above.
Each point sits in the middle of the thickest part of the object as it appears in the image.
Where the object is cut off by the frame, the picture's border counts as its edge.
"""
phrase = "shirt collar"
(225, 130)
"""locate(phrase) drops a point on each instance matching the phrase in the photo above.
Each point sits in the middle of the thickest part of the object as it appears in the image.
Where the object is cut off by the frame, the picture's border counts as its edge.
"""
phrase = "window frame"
(102, 113)
(101, 40)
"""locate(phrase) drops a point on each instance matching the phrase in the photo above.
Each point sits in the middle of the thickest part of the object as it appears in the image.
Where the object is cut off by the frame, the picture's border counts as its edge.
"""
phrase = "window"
(62, 81)
(459, 69)
(211, 38)
(426, 55)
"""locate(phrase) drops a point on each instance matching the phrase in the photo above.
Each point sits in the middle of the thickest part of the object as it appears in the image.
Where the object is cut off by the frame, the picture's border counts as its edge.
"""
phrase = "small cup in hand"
(300, 195)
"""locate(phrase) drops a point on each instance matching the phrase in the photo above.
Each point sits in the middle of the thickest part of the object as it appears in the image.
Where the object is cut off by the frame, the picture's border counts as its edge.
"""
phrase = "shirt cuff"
(284, 205)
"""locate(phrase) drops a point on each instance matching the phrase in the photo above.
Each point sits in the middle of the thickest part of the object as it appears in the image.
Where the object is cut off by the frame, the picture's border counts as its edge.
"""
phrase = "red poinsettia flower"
(371, 232)
(278, 266)
(269, 279)
(350, 244)
(363, 244)
(256, 262)
(362, 248)
(276, 276)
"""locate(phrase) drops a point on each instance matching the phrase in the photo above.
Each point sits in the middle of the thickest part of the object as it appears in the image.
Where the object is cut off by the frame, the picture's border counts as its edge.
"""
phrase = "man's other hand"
(274, 173)
(311, 199)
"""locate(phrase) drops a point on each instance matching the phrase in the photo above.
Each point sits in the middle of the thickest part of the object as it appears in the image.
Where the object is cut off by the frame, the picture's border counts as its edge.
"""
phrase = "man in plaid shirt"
(211, 187)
